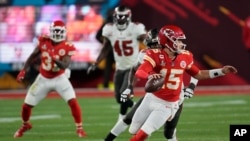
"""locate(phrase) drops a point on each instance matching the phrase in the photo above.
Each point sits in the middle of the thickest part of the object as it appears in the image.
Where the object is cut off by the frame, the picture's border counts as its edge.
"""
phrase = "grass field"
(204, 118)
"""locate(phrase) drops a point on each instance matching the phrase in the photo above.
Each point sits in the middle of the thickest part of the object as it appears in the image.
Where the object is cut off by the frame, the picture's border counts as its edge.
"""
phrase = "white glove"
(188, 93)
(127, 93)
(91, 68)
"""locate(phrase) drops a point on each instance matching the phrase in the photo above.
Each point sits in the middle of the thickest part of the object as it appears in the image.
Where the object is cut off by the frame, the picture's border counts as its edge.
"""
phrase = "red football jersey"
(48, 67)
(172, 70)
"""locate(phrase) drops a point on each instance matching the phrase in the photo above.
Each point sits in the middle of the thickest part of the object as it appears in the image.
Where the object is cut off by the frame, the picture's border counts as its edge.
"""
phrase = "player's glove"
(21, 76)
(154, 75)
(91, 68)
(127, 93)
(189, 91)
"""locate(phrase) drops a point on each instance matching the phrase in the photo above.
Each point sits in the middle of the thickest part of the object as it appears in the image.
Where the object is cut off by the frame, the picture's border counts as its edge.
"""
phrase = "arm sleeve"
(106, 30)
(144, 70)
(71, 49)
(193, 70)
(141, 29)
(141, 56)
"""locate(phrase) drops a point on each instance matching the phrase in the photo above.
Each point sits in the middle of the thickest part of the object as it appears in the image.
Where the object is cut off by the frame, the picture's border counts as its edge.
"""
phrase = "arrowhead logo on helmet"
(169, 36)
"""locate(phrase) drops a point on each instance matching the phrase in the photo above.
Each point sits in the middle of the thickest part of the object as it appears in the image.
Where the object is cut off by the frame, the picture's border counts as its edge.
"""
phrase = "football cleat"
(25, 127)
(81, 133)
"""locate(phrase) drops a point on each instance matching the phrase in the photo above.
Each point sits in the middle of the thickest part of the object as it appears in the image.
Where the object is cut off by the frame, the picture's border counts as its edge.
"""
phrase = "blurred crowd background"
(218, 33)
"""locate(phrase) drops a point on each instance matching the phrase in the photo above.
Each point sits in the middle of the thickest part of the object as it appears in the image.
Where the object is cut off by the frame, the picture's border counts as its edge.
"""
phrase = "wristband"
(192, 86)
(194, 81)
(215, 73)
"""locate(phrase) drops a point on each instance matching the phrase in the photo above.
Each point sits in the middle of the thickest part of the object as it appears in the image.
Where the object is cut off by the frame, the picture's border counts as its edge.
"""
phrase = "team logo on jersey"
(183, 64)
(163, 63)
(161, 56)
(44, 47)
(62, 52)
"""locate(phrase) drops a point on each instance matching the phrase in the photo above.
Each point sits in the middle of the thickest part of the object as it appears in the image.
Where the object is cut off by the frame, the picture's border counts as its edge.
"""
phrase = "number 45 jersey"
(48, 67)
(125, 43)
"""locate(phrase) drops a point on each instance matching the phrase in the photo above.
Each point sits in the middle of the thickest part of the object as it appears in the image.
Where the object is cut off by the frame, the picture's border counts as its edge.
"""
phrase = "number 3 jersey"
(125, 43)
(172, 70)
(48, 67)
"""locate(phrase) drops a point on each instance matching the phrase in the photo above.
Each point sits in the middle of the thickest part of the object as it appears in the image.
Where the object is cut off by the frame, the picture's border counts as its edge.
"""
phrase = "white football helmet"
(122, 17)
(57, 31)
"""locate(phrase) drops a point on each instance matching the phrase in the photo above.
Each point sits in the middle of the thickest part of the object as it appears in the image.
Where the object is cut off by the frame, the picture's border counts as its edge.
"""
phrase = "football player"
(171, 61)
(124, 37)
(151, 41)
(55, 54)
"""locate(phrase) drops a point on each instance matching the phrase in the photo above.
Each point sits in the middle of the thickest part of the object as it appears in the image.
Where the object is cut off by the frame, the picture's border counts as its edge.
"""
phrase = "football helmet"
(151, 39)
(170, 36)
(122, 17)
(57, 31)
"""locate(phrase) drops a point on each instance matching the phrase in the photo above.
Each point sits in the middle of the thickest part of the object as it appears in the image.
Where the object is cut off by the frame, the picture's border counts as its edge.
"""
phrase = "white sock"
(119, 127)
(121, 117)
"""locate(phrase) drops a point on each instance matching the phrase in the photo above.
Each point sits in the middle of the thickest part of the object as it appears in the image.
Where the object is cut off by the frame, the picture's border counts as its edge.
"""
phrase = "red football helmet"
(57, 31)
(169, 36)
(122, 17)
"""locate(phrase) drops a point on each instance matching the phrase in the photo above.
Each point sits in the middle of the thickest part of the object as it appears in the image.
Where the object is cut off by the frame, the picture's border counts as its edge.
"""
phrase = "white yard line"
(207, 104)
(13, 119)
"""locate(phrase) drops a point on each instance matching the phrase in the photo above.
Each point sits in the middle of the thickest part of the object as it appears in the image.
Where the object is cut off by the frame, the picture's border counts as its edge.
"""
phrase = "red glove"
(20, 76)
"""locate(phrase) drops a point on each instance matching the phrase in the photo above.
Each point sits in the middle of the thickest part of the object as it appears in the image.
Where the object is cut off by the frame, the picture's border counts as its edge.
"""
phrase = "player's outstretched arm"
(104, 52)
(27, 64)
(129, 91)
(213, 73)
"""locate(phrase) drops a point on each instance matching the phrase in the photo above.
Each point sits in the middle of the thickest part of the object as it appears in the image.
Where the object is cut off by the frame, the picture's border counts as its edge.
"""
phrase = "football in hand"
(154, 84)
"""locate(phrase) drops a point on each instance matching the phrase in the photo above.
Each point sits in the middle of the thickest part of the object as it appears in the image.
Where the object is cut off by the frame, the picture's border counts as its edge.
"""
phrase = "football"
(154, 84)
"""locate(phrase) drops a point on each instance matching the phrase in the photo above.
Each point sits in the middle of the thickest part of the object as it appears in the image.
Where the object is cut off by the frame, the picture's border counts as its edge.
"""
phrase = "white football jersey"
(125, 44)
(141, 56)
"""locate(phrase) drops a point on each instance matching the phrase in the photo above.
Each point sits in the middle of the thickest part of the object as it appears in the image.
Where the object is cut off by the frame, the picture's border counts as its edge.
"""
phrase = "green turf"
(204, 118)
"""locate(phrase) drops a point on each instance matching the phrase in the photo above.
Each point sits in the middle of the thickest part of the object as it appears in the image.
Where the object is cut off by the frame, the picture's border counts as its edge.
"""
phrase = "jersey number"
(124, 48)
(47, 64)
(173, 82)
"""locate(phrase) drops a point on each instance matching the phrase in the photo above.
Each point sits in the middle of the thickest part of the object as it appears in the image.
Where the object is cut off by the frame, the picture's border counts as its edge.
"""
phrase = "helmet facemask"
(177, 45)
(173, 41)
(57, 32)
(122, 17)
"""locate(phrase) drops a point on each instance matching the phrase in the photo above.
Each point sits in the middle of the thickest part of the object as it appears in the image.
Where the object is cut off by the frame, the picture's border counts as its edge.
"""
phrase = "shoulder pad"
(43, 37)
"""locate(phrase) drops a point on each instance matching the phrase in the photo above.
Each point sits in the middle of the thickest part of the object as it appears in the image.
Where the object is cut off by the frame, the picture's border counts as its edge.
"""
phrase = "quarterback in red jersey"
(171, 62)
(55, 54)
